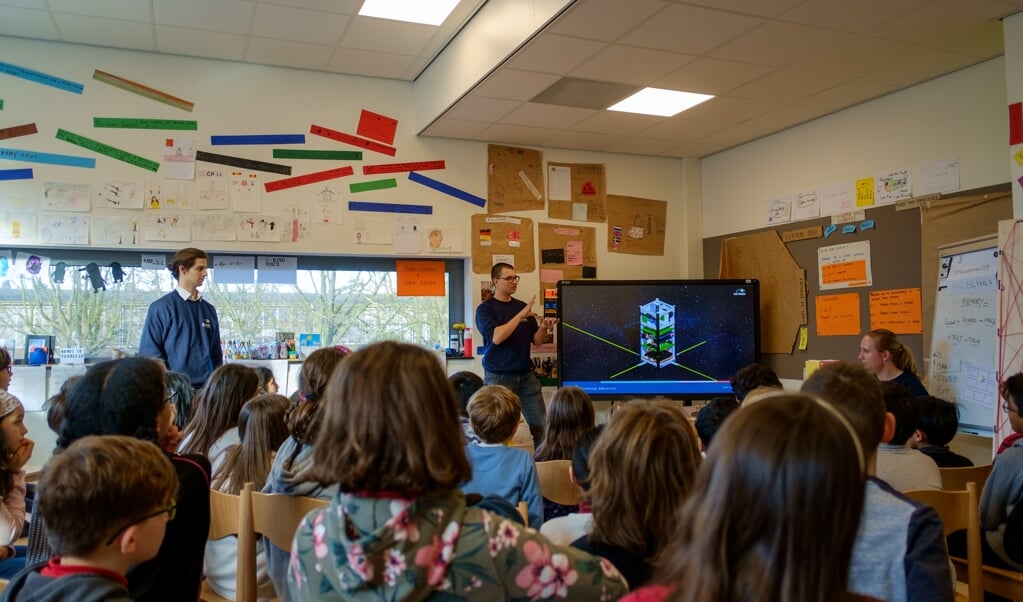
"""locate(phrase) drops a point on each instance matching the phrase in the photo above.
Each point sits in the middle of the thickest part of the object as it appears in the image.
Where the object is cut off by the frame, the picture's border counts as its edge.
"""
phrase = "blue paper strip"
(849, 229)
(867, 224)
(830, 230)
(16, 174)
(13, 154)
(389, 207)
(41, 78)
(446, 189)
(259, 139)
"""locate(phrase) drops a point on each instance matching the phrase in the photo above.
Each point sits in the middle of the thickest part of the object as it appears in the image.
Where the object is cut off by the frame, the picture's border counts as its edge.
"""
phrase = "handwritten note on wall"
(420, 278)
(898, 310)
(838, 314)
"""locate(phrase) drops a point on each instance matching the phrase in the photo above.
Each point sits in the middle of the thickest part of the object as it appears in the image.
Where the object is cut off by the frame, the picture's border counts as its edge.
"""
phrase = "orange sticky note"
(897, 310)
(420, 278)
(853, 273)
(838, 314)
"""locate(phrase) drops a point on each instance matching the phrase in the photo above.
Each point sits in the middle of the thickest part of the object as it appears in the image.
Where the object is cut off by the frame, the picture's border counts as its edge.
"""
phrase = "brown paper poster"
(636, 225)
(782, 285)
(567, 252)
(514, 179)
(577, 191)
(502, 238)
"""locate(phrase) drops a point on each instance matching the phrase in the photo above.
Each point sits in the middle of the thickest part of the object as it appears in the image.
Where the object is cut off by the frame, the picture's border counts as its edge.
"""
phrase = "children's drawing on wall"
(806, 206)
(168, 196)
(443, 240)
(30, 264)
(373, 231)
(178, 159)
(837, 198)
(114, 230)
(212, 189)
(327, 206)
(259, 228)
(17, 227)
(245, 192)
(62, 229)
(408, 237)
(779, 210)
(214, 226)
(164, 226)
(298, 224)
(65, 196)
(119, 194)
(893, 186)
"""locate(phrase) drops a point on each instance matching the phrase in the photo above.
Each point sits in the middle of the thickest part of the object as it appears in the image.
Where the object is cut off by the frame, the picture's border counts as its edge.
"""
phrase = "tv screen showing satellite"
(679, 339)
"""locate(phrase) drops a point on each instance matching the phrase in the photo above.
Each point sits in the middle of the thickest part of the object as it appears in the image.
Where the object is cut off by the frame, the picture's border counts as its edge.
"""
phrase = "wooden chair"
(524, 511)
(526, 447)
(277, 516)
(556, 484)
(955, 479)
(959, 510)
(232, 515)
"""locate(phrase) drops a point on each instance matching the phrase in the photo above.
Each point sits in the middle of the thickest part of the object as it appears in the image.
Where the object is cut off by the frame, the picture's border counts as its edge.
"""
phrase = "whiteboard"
(963, 366)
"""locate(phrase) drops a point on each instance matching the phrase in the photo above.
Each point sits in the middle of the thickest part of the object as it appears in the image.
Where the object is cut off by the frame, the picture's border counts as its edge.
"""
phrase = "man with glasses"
(508, 327)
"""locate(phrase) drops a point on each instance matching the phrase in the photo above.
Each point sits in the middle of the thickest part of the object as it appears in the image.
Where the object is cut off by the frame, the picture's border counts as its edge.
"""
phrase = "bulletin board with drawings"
(567, 252)
(894, 244)
(577, 191)
(514, 179)
(636, 226)
(502, 238)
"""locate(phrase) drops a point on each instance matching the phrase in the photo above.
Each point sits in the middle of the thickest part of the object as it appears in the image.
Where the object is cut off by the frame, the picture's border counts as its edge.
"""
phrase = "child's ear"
(889, 427)
(128, 541)
(919, 438)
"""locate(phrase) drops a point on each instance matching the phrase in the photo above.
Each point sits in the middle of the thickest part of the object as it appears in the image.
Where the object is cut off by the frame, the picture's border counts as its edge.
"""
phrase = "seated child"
(902, 467)
(466, 384)
(755, 381)
(710, 418)
(106, 502)
(563, 530)
(499, 470)
(938, 424)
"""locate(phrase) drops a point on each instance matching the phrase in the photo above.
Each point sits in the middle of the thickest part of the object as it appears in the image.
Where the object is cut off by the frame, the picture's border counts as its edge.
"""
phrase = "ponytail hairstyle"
(902, 356)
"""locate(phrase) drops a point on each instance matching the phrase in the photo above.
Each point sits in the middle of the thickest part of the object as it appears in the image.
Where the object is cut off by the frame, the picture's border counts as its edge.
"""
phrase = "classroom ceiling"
(772, 64)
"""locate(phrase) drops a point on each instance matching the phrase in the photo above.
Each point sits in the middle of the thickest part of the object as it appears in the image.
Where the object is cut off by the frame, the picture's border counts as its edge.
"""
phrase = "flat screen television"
(680, 339)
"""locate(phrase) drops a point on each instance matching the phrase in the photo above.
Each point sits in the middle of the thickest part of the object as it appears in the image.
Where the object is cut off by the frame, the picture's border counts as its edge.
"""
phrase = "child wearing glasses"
(106, 502)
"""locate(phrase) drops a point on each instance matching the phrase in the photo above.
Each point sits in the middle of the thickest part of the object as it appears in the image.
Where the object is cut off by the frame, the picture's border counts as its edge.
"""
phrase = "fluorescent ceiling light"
(657, 101)
(427, 12)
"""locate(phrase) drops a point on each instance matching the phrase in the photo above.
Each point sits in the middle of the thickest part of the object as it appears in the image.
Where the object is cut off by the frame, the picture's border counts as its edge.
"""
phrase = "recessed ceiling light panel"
(657, 101)
(427, 12)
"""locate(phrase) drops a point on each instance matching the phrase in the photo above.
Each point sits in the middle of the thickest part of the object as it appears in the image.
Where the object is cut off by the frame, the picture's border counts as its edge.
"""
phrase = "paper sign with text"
(420, 278)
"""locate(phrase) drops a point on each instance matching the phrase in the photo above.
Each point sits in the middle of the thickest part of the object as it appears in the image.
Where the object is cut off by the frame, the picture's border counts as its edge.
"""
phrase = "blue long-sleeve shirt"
(184, 334)
(508, 473)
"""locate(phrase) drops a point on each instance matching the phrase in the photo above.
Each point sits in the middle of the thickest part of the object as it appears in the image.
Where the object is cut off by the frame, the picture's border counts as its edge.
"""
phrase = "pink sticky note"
(574, 252)
(551, 275)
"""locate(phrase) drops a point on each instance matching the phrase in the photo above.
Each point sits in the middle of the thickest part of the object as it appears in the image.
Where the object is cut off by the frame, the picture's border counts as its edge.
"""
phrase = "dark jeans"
(527, 386)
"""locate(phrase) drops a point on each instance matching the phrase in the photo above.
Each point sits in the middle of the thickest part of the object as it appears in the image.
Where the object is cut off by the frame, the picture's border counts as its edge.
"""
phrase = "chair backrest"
(524, 511)
(556, 483)
(526, 447)
(960, 510)
(232, 515)
(276, 516)
(955, 479)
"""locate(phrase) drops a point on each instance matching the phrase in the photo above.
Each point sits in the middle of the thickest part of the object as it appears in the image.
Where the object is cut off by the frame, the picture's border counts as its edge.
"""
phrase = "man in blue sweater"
(508, 327)
(181, 327)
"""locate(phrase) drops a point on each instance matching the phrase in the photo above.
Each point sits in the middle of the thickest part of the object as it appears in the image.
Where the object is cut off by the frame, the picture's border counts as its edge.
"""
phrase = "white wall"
(1012, 33)
(961, 114)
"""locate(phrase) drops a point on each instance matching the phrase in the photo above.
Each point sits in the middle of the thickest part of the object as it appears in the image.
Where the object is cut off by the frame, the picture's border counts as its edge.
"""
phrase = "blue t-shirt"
(512, 355)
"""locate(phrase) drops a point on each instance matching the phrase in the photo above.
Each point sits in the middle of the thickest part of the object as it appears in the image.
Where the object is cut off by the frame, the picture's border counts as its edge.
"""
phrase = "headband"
(848, 428)
(8, 403)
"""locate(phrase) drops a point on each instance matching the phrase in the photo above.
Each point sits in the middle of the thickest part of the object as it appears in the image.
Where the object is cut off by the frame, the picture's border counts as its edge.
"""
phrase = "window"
(347, 300)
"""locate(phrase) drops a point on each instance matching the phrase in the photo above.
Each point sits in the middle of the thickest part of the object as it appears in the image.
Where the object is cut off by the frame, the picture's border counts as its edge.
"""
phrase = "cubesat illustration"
(657, 333)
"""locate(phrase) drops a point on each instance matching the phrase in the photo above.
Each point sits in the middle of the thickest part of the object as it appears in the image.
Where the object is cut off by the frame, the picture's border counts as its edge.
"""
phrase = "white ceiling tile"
(27, 23)
(543, 115)
(785, 117)
(37, 4)
(984, 41)
(195, 42)
(344, 7)
(474, 108)
(229, 16)
(775, 43)
(554, 54)
(515, 134)
(738, 134)
(763, 8)
(514, 84)
(693, 149)
(726, 110)
(847, 94)
(862, 16)
(852, 55)
(605, 20)
(712, 76)
(105, 32)
(924, 64)
(287, 54)
(124, 10)
(617, 122)
(455, 128)
(642, 146)
(939, 21)
(678, 128)
(299, 25)
(689, 29)
(630, 65)
(366, 62)
(367, 33)
(582, 141)
(785, 85)
(416, 66)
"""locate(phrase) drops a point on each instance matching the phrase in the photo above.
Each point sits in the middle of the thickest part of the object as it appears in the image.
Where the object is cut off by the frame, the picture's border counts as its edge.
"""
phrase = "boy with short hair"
(902, 467)
(938, 424)
(711, 416)
(900, 553)
(106, 502)
(497, 469)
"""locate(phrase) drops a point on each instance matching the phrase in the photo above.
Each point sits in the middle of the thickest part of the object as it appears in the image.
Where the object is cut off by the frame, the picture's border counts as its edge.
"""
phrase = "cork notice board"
(636, 225)
(577, 191)
(509, 238)
(566, 253)
(514, 179)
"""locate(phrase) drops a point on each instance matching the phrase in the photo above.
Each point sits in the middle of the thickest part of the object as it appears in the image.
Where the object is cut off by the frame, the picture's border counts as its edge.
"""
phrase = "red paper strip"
(309, 178)
(1016, 123)
(353, 140)
(18, 130)
(399, 167)
(377, 127)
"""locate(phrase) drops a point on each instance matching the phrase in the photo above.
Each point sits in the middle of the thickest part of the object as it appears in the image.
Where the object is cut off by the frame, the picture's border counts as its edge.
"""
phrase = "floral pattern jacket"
(390, 548)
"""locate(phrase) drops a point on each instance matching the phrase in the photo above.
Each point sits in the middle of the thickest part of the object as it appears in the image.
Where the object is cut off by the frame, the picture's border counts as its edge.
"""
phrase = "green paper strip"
(105, 149)
(290, 153)
(374, 185)
(2, 108)
(144, 124)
